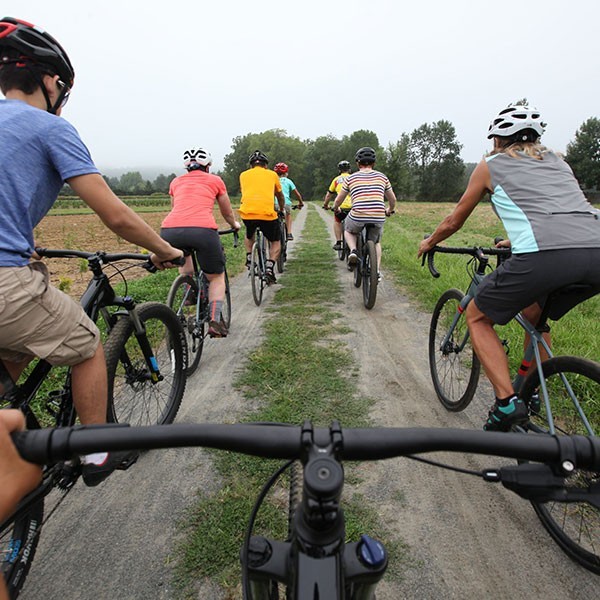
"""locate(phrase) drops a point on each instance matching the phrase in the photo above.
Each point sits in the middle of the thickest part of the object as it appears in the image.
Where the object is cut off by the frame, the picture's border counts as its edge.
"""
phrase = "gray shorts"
(525, 279)
(374, 231)
(36, 319)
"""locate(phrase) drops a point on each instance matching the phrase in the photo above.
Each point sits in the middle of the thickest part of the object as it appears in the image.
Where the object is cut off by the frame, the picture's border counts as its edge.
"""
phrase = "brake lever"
(540, 483)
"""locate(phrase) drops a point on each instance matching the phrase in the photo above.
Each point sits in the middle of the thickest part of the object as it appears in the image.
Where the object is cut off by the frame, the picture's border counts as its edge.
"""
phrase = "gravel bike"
(558, 391)
(283, 239)
(316, 561)
(258, 267)
(145, 359)
(188, 297)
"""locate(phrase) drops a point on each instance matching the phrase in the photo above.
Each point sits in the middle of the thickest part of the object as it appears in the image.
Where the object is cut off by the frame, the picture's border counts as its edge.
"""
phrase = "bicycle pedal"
(128, 460)
(68, 475)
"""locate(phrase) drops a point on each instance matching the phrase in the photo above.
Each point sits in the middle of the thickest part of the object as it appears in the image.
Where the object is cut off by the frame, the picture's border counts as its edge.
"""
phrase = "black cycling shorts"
(204, 241)
(270, 229)
(525, 279)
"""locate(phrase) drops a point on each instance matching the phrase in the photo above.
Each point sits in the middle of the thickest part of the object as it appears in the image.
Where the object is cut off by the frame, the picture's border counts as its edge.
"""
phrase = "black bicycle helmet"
(26, 46)
(33, 44)
(258, 157)
(365, 156)
(343, 166)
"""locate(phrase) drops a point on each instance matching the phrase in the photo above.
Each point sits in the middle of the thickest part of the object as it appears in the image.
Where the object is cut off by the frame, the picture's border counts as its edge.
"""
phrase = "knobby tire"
(369, 283)
(257, 274)
(132, 395)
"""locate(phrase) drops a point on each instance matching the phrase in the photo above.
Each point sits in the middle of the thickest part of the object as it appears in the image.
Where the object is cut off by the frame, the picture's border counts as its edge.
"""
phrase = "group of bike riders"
(553, 230)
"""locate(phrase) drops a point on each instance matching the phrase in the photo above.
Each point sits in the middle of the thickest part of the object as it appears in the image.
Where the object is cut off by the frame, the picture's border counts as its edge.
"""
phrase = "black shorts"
(525, 279)
(269, 228)
(204, 241)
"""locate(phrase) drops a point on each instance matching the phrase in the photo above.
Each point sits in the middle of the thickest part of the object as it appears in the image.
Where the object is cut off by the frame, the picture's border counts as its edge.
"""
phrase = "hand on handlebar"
(169, 260)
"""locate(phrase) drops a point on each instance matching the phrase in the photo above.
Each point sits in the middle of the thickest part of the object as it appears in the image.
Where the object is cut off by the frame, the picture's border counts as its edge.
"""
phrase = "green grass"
(301, 371)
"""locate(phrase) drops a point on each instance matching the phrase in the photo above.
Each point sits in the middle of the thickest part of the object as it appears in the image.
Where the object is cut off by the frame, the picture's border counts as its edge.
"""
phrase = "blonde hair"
(531, 149)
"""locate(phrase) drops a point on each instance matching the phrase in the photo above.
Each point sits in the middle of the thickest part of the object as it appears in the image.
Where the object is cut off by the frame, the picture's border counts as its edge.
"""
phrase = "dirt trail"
(467, 539)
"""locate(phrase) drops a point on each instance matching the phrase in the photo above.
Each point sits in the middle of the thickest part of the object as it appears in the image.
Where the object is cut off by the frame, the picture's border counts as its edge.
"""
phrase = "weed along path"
(462, 538)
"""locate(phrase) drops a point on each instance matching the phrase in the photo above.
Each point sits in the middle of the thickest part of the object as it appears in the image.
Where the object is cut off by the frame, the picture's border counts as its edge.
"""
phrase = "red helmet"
(280, 168)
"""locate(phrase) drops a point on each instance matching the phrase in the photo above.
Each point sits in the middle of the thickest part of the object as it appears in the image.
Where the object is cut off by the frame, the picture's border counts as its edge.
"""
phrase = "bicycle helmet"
(258, 157)
(280, 168)
(198, 156)
(343, 166)
(516, 118)
(26, 45)
(365, 156)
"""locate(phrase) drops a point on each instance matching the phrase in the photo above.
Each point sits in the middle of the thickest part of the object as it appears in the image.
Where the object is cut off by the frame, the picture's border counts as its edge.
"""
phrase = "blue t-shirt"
(287, 187)
(38, 153)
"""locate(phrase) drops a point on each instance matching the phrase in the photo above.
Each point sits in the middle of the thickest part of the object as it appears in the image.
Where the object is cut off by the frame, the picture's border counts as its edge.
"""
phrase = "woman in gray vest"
(554, 233)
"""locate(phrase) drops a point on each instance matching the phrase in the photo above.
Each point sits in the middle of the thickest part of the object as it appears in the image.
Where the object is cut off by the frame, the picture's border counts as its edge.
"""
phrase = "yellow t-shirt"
(258, 186)
(336, 186)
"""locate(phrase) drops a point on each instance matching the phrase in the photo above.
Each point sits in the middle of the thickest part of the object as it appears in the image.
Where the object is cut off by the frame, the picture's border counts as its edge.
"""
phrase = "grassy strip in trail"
(300, 371)
(578, 333)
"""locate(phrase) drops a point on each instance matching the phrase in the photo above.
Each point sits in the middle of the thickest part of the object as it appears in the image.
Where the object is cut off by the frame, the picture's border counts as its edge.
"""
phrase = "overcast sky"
(155, 77)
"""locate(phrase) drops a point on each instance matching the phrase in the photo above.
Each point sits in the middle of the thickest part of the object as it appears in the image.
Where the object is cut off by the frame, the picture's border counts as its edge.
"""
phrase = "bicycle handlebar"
(236, 235)
(475, 251)
(46, 446)
(105, 257)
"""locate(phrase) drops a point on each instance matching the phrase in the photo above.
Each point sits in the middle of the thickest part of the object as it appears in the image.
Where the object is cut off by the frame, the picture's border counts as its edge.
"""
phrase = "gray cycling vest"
(541, 204)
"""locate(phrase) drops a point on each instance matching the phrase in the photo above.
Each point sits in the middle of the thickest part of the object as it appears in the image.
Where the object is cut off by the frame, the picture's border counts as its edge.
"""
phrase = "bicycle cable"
(434, 463)
(246, 548)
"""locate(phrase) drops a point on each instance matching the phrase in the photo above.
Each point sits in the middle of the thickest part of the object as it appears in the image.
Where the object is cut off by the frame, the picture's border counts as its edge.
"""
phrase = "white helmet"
(197, 155)
(515, 118)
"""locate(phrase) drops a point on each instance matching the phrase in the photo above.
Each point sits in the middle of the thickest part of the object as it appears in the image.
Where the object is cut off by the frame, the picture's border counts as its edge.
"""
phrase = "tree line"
(422, 165)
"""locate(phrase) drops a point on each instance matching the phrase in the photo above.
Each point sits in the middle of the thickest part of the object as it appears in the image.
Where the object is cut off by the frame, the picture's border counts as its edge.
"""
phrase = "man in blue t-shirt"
(287, 187)
(39, 151)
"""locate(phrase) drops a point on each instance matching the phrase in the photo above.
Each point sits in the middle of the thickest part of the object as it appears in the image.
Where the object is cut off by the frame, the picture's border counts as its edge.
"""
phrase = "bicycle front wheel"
(19, 538)
(257, 269)
(575, 527)
(369, 283)
(453, 364)
(136, 395)
(182, 298)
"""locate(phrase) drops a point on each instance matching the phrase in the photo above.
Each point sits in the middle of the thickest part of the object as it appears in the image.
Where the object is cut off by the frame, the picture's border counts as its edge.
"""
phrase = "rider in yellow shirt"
(258, 185)
(332, 192)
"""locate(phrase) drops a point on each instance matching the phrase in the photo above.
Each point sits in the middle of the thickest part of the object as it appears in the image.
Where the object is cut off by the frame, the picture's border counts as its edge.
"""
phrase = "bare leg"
(489, 350)
(216, 286)
(90, 390)
(188, 267)
(532, 314)
(350, 240)
(337, 230)
(378, 248)
(274, 250)
(288, 222)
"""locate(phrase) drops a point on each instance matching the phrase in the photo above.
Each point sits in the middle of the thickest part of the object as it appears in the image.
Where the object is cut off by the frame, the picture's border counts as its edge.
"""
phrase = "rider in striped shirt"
(368, 189)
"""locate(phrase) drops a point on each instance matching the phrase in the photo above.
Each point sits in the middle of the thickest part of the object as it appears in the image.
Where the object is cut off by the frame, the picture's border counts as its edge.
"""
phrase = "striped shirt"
(367, 188)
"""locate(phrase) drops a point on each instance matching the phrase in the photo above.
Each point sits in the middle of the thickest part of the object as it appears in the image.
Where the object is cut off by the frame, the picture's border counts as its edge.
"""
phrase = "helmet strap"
(51, 108)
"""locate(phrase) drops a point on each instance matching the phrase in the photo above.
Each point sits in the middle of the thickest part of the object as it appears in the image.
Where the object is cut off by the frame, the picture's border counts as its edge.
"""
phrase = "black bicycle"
(283, 239)
(145, 359)
(316, 560)
(188, 297)
(365, 271)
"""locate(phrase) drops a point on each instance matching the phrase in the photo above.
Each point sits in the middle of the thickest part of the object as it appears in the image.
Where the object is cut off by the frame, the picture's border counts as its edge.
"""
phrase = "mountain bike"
(258, 267)
(365, 271)
(188, 297)
(558, 391)
(316, 560)
(145, 359)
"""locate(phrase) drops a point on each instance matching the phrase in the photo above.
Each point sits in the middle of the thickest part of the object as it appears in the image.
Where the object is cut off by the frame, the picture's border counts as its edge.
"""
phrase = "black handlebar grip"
(434, 272)
(236, 238)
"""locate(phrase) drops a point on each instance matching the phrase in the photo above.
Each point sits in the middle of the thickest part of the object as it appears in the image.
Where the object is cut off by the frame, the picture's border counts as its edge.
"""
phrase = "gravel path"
(467, 539)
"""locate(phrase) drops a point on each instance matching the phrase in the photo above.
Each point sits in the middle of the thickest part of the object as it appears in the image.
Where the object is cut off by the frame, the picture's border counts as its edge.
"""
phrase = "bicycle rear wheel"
(454, 366)
(226, 310)
(343, 250)
(575, 527)
(18, 543)
(257, 274)
(182, 298)
(358, 268)
(135, 396)
(283, 247)
(369, 283)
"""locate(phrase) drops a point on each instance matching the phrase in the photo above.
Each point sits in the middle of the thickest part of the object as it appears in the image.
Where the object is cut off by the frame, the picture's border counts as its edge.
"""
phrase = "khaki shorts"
(38, 320)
